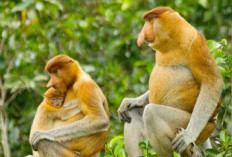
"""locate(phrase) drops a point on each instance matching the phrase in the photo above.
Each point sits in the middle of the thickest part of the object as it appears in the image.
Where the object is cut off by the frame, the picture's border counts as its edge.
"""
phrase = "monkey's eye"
(60, 99)
(53, 99)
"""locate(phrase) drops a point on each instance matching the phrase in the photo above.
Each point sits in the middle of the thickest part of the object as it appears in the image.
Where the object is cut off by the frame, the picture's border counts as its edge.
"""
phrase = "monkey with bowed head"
(82, 132)
(184, 88)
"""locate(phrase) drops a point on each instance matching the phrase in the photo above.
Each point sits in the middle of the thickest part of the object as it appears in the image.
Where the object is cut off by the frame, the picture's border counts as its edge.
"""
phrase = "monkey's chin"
(151, 45)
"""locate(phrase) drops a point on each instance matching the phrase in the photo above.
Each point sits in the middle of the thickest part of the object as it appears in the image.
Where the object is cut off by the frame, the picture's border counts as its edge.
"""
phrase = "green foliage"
(115, 148)
(146, 148)
(224, 62)
(224, 148)
(101, 35)
(175, 154)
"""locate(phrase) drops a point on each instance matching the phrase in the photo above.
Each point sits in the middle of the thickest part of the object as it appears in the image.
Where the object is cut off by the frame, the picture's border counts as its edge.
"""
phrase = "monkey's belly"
(173, 86)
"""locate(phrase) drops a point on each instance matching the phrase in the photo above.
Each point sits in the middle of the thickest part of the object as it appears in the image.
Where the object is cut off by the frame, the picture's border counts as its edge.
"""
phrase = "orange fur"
(48, 112)
(183, 63)
(87, 96)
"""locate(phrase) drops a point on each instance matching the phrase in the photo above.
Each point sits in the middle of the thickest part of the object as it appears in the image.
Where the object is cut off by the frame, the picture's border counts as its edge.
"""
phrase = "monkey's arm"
(40, 122)
(129, 103)
(207, 74)
(95, 120)
(59, 113)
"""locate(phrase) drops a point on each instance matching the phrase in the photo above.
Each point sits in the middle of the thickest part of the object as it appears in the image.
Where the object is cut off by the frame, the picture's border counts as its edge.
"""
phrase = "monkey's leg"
(160, 123)
(133, 133)
(54, 149)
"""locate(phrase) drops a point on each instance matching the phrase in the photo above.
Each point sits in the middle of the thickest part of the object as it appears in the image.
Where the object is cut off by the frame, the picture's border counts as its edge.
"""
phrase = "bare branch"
(2, 45)
(3, 91)
(11, 63)
(1, 84)
(13, 96)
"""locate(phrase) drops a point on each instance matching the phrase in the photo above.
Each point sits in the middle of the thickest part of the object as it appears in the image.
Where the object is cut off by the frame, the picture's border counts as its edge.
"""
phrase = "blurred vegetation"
(101, 35)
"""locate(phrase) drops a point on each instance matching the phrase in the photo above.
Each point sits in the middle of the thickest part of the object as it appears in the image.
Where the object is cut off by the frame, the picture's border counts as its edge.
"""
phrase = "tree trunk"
(3, 128)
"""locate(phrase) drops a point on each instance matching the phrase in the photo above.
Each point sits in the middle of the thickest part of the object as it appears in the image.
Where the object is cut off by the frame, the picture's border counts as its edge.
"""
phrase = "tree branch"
(3, 93)
(2, 45)
(10, 65)
(13, 96)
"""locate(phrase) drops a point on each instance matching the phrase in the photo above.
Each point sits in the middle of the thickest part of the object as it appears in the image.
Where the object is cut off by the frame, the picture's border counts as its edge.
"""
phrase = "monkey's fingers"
(178, 130)
(125, 117)
(34, 142)
(177, 142)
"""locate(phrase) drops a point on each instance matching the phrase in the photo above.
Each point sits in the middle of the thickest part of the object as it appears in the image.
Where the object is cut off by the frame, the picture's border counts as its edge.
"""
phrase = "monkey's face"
(63, 71)
(57, 82)
(57, 101)
(55, 97)
(158, 27)
(146, 33)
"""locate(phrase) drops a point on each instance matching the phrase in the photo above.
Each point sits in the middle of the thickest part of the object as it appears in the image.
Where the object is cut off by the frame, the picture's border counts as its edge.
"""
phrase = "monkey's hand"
(182, 140)
(38, 136)
(124, 108)
(129, 103)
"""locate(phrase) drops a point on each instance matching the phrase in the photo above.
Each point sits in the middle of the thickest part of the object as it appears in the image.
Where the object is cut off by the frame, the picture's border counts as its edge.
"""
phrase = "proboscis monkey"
(184, 88)
(50, 110)
(87, 134)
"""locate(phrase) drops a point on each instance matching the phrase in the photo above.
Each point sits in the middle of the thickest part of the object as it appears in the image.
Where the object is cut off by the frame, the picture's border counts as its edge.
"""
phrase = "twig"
(10, 65)
(2, 45)
(3, 93)
(224, 115)
(1, 85)
(13, 96)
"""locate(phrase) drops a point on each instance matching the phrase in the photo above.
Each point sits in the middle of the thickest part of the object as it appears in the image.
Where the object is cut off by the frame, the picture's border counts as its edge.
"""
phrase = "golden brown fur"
(184, 88)
(183, 64)
(84, 97)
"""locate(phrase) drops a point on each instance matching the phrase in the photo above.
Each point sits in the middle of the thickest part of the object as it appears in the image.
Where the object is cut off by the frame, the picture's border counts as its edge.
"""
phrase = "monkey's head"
(165, 29)
(63, 71)
(55, 97)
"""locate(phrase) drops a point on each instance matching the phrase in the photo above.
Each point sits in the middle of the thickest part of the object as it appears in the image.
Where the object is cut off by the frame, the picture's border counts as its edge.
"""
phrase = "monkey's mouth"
(150, 44)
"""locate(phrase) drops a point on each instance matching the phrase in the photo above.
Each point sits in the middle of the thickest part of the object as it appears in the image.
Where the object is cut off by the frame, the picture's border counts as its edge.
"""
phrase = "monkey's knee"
(151, 115)
(157, 129)
(136, 126)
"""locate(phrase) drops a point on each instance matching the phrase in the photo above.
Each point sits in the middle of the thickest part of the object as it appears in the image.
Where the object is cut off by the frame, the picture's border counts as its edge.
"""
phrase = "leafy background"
(101, 35)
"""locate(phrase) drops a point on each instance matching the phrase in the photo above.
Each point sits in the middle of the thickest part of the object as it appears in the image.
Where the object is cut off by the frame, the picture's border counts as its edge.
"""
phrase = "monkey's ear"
(155, 13)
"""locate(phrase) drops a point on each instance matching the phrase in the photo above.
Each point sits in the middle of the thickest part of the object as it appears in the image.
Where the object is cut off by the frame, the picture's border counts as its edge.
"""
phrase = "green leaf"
(213, 45)
(118, 148)
(142, 145)
(57, 3)
(22, 6)
(122, 153)
(211, 151)
(115, 140)
(223, 135)
(220, 155)
(224, 41)
(175, 154)
(203, 3)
